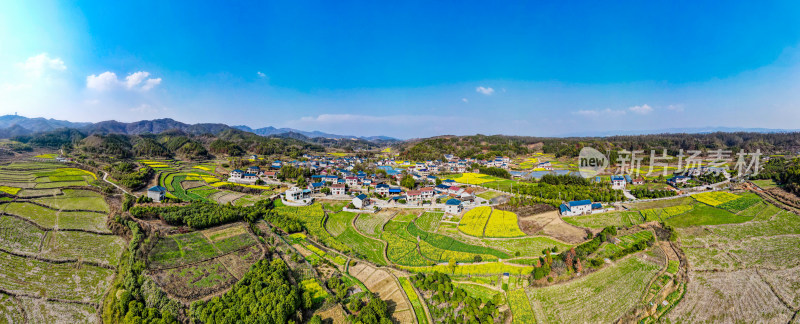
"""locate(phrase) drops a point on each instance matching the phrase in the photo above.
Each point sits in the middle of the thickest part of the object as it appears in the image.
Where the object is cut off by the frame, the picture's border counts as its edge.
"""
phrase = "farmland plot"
(429, 221)
(239, 262)
(41, 311)
(338, 222)
(370, 224)
(474, 221)
(729, 297)
(180, 249)
(104, 249)
(42, 216)
(25, 193)
(10, 311)
(602, 220)
(19, 235)
(527, 246)
(715, 198)
(786, 283)
(600, 297)
(65, 281)
(520, 307)
(371, 249)
(76, 200)
(502, 224)
(382, 283)
(90, 221)
(194, 281)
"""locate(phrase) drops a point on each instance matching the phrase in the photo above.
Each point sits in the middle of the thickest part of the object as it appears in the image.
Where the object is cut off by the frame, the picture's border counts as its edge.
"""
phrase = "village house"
(421, 194)
(157, 193)
(453, 206)
(579, 207)
(637, 181)
(337, 189)
(361, 201)
(618, 182)
(382, 189)
(351, 181)
(272, 175)
(296, 194)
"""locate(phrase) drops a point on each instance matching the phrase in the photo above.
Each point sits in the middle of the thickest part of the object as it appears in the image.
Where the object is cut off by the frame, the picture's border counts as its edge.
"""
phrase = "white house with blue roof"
(360, 201)
(453, 206)
(618, 182)
(157, 193)
(577, 207)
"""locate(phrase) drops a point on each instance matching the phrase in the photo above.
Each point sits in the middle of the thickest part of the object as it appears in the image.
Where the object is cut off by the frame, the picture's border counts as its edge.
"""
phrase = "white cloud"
(102, 82)
(465, 100)
(135, 78)
(641, 110)
(135, 81)
(484, 90)
(39, 64)
(261, 74)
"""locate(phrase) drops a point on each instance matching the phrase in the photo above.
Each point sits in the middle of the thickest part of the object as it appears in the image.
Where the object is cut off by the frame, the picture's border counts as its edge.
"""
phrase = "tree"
(452, 265)
(438, 181)
(408, 182)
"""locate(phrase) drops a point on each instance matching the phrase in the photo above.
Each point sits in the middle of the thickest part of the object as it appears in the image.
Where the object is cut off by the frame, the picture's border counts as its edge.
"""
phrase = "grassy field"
(76, 199)
(600, 297)
(489, 195)
(340, 225)
(311, 217)
(765, 184)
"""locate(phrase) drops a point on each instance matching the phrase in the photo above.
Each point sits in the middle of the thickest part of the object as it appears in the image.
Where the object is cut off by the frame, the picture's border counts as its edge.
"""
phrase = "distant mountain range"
(269, 130)
(14, 125)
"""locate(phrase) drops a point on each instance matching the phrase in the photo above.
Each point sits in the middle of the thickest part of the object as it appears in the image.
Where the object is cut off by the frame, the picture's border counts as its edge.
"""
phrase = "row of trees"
(196, 215)
(649, 194)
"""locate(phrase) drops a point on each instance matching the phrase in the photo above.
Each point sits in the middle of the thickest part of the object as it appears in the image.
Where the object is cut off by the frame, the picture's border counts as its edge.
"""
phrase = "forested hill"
(171, 143)
(482, 146)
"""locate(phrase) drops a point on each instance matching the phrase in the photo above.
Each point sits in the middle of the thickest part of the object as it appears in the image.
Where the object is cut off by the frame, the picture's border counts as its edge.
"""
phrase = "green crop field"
(60, 184)
(602, 220)
(25, 193)
(429, 221)
(311, 216)
(765, 184)
(600, 297)
(370, 224)
(743, 202)
(371, 249)
(76, 199)
(338, 222)
(402, 246)
(9, 311)
(706, 215)
(463, 250)
(40, 215)
(416, 302)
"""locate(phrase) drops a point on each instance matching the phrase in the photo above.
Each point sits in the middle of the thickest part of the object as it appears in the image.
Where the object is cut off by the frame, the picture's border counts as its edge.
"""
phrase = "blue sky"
(411, 69)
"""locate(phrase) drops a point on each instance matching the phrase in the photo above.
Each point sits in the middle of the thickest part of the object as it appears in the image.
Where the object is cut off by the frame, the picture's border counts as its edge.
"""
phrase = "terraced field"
(474, 221)
(600, 297)
(602, 220)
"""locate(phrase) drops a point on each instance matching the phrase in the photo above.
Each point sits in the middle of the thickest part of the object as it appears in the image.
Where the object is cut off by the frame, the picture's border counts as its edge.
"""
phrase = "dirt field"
(196, 281)
(386, 286)
(239, 262)
(729, 297)
(192, 184)
(550, 224)
(333, 315)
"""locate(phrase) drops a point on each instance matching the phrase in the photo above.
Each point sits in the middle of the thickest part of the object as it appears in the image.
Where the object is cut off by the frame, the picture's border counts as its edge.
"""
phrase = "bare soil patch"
(551, 224)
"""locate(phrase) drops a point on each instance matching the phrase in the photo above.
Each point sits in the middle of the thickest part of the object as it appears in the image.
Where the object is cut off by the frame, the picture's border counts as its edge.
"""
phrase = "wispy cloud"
(465, 100)
(677, 108)
(641, 110)
(485, 90)
(135, 81)
(599, 113)
(261, 75)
